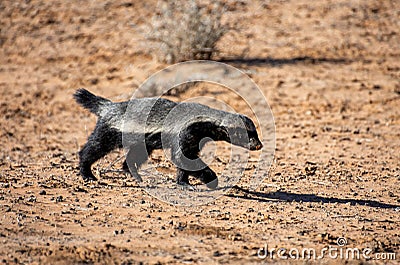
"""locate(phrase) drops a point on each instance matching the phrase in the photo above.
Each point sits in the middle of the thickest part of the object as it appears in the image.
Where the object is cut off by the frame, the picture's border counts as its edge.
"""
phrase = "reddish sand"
(330, 71)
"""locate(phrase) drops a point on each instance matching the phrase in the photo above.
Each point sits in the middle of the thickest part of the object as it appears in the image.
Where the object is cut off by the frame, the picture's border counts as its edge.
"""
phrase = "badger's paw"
(187, 187)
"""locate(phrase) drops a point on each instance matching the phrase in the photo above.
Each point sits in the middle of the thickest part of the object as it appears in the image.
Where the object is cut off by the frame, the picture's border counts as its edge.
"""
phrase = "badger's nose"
(255, 144)
(259, 146)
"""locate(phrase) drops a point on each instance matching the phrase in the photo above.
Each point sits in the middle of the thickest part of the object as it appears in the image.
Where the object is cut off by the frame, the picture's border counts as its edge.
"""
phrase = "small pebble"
(59, 198)
(32, 199)
(217, 254)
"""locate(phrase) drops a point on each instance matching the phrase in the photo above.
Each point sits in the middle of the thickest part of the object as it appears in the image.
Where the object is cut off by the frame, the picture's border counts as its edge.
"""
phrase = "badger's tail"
(90, 101)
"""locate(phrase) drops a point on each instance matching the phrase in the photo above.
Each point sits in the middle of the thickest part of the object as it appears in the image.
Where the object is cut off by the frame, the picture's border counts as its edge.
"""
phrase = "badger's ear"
(222, 129)
(222, 132)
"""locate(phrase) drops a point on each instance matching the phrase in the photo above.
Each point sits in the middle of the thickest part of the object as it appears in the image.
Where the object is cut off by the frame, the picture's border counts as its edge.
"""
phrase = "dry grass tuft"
(187, 30)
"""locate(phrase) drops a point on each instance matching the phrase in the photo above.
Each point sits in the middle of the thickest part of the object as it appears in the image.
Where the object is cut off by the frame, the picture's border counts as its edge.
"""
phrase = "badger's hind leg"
(102, 141)
(86, 159)
(89, 154)
(135, 157)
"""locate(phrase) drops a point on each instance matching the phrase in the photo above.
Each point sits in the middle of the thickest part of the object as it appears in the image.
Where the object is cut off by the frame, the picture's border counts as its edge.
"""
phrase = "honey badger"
(147, 124)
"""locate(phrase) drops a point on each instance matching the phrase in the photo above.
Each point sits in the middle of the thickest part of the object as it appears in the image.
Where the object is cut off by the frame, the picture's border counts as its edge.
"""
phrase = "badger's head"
(240, 130)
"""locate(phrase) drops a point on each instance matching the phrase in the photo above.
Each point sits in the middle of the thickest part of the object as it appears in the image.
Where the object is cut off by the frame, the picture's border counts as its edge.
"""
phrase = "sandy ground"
(330, 71)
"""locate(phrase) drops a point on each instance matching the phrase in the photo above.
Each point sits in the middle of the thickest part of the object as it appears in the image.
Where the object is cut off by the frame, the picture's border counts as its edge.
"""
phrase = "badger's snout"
(255, 144)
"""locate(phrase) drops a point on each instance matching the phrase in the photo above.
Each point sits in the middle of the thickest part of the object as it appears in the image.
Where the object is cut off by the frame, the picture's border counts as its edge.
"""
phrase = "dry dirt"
(330, 71)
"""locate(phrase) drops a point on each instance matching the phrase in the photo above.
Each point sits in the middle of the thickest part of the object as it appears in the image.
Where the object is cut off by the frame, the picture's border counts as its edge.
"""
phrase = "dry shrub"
(187, 30)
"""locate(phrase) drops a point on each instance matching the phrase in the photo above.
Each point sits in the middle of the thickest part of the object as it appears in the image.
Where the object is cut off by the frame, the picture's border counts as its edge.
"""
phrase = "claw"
(212, 184)
(90, 178)
(137, 177)
(189, 187)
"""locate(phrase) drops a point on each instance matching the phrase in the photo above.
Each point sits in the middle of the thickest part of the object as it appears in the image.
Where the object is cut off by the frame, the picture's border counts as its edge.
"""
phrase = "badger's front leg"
(191, 164)
(182, 179)
(206, 175)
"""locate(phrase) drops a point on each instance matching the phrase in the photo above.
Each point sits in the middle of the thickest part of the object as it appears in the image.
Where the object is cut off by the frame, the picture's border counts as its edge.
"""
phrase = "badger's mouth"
(258, 147)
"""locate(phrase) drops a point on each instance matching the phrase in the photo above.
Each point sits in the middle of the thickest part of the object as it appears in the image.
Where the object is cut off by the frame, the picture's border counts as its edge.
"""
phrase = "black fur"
(156, 123)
